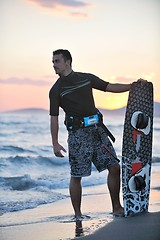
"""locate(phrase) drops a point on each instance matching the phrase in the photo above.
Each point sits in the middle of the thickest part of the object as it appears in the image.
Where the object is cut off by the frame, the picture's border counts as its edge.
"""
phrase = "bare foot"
(119, 212)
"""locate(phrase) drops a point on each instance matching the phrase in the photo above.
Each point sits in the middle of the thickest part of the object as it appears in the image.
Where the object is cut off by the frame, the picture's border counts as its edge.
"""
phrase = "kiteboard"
(137, 149)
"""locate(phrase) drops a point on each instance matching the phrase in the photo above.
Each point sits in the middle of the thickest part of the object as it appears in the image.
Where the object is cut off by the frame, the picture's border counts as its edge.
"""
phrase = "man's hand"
(142, 81)
(57, 150)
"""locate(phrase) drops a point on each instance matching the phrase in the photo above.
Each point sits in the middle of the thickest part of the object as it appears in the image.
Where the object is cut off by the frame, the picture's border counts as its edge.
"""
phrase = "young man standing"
(88, 140)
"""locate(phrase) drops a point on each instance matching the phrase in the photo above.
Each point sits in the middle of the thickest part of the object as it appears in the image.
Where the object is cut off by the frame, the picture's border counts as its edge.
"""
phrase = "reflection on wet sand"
(79, 229)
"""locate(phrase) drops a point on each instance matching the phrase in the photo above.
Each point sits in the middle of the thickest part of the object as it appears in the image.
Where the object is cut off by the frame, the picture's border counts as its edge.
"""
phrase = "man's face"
(59, 64)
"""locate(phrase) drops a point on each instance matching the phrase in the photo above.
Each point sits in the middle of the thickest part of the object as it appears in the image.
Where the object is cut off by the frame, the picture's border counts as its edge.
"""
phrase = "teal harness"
(73, 123)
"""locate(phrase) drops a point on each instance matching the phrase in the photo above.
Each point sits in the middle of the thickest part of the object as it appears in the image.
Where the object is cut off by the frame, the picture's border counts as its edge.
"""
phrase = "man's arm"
(119, 88)
(54, 127)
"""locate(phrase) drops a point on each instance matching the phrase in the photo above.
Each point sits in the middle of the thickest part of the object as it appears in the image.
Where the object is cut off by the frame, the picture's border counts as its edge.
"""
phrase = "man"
(88, 140)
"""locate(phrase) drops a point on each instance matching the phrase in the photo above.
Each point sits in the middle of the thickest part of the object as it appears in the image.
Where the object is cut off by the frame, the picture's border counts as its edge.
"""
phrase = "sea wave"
(19, 183)
(10, 148)
(26, 182)
(17, 200)
(30, 160)
(25, 191)
(155, 159)
(10, 123)
(156, 129)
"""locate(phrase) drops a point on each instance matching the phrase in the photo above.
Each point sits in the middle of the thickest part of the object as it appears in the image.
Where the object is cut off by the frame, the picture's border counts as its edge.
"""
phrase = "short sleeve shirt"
(73, 93)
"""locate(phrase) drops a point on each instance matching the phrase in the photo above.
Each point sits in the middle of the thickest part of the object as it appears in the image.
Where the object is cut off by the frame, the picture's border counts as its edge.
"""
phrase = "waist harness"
(73, 123)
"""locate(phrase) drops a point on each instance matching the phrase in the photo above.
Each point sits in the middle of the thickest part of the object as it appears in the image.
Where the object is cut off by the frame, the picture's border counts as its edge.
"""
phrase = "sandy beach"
(145, 226)
(53, 221)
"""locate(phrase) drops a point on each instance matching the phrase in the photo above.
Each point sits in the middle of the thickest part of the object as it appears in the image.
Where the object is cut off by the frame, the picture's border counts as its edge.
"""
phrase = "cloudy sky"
(117, 40)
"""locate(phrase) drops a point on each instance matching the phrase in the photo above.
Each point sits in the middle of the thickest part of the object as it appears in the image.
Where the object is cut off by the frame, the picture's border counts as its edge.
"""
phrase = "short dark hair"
(66, 54)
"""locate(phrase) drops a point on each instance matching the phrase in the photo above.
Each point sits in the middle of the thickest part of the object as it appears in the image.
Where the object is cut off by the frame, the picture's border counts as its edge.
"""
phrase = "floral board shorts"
(86, 147)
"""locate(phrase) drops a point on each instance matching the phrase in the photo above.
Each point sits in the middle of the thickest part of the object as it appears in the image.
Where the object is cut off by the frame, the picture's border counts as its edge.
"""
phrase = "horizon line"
(45, 109)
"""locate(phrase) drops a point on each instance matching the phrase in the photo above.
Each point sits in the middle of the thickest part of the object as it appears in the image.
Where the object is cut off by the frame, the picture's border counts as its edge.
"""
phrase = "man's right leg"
(114, 189)
(76, 194)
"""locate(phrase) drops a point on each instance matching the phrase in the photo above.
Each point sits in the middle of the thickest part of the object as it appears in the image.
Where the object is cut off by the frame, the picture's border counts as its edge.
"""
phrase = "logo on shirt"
(71, 89)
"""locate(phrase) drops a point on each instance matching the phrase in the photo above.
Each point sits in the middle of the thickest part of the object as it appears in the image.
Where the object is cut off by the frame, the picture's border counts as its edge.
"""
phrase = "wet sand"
(53, 221)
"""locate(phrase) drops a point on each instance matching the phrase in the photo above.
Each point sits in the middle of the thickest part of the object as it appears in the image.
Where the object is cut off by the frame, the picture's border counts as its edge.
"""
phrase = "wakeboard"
(137, 149)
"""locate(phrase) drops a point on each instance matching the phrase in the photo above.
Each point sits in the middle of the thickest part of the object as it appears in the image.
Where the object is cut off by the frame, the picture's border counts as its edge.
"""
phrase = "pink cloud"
(55, 3)
(25, 81)
(68, 4)
(50, 80)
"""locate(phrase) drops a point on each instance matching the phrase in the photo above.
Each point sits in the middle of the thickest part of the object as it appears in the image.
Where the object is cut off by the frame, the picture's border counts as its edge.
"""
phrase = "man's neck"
(66, 73)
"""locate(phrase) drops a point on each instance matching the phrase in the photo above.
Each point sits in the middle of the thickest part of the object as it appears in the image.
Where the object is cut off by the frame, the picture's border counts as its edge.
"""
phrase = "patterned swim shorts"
(85, 148)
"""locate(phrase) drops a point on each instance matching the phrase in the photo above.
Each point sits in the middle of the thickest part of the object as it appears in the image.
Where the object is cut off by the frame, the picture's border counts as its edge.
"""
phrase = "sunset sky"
(117, 40)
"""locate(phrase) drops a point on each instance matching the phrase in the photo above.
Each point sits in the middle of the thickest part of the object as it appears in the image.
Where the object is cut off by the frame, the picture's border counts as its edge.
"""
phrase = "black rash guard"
(73, 94)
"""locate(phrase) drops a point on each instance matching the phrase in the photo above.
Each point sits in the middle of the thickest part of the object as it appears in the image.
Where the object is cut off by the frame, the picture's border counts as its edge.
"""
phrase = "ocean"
(30, 174)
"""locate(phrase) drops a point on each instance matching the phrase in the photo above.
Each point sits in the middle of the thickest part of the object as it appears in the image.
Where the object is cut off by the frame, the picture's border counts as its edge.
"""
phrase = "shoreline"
(53, 221)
